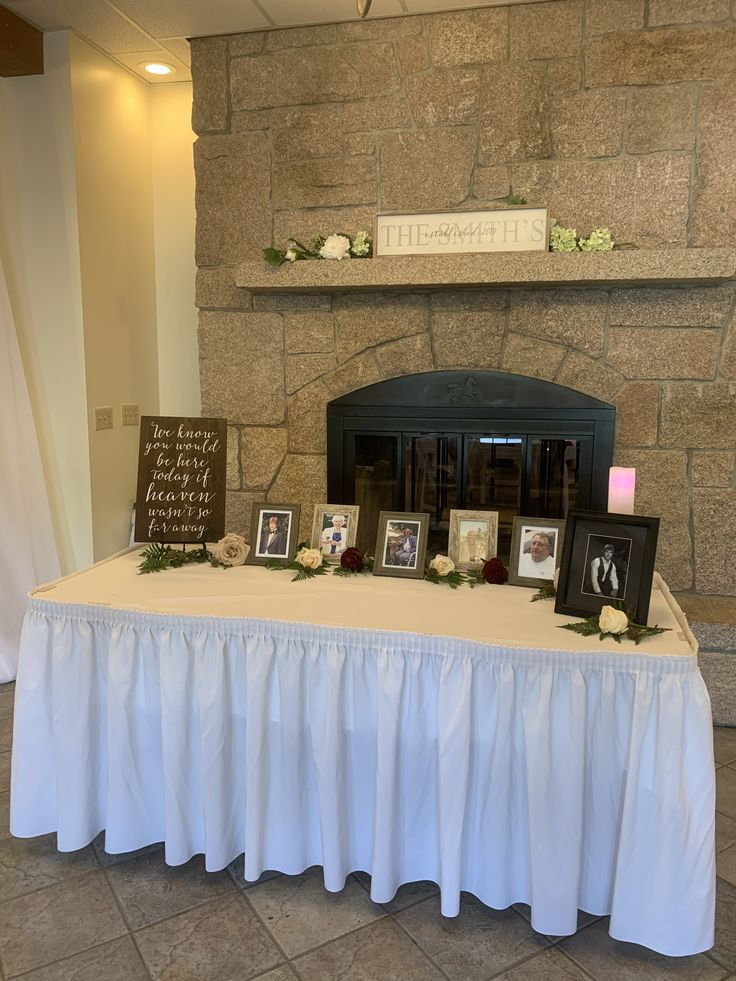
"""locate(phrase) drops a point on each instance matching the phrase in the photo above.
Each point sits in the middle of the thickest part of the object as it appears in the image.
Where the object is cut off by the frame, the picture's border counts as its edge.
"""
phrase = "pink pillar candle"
(621, 489)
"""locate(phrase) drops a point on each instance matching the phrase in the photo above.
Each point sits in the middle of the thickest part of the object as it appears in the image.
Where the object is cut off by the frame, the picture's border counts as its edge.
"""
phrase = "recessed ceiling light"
(157, 68)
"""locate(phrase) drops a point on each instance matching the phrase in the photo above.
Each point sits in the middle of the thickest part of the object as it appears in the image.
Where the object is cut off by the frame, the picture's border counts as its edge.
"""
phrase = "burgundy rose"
(495, 572)
(351, 559)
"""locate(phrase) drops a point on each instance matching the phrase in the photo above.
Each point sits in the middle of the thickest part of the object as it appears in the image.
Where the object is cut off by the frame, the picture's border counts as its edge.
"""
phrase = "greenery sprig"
(307, 564)
(157, 557)
(545, 592)
(613, 622)
(452, 579)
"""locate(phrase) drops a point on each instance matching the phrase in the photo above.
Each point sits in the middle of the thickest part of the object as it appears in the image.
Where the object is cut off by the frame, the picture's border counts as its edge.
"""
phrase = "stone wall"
(613, 112)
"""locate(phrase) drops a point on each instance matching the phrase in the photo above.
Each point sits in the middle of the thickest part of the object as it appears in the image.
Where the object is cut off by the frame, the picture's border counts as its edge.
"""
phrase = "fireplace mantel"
(624, 267)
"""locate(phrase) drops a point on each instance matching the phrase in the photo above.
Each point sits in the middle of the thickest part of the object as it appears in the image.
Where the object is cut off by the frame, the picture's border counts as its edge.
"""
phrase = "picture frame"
(536, 547)
(401, 544)
(274, 532)
(334, 529)
(607, 558)
(473, 538)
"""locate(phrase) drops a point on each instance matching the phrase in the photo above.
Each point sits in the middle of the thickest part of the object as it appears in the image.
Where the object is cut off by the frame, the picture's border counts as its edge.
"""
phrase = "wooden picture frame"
(473, 538)
(534, 542)
(331, 535)
(607, 559)
(274, 532)
(401, 544)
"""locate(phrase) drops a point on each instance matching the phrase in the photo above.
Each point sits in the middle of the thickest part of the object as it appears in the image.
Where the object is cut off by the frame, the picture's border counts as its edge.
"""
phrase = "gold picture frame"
(473, 538)
(331, 535)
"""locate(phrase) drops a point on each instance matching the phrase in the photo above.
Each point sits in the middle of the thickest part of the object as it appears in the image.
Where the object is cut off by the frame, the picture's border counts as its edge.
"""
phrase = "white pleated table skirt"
(562, 779)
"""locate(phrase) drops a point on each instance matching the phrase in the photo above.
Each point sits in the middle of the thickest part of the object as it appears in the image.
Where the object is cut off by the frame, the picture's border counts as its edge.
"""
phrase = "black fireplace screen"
(484, 441)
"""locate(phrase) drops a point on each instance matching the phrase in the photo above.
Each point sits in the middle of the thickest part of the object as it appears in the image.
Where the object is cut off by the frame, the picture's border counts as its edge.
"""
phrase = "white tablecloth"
(491, 753)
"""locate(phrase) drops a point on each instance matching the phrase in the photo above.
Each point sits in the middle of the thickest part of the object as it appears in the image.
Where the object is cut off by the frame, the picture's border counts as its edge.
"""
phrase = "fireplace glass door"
(536, 459)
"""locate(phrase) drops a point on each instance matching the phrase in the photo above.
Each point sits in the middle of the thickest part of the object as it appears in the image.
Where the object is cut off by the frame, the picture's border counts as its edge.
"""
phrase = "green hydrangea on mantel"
(566, 240)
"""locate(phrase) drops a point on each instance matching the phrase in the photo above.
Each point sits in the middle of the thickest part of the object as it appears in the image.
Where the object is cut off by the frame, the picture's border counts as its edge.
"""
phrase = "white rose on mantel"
(336, 247)
(310, 558)
(442, 565)
(612, 621)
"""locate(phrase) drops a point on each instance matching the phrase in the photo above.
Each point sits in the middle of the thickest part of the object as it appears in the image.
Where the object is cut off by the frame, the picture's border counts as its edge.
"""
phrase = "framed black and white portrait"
(607, 559)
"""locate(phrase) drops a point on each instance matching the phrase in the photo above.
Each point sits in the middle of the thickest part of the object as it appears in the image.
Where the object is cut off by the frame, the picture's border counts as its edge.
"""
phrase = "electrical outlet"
(103, 417)
(129, 413)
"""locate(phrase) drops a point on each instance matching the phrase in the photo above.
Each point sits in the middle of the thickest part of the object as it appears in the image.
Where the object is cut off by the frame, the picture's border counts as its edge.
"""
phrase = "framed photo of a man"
(536, 550)
(607, 559)
(401, 545)
(274, 529)
(334, 529)
(473, 538)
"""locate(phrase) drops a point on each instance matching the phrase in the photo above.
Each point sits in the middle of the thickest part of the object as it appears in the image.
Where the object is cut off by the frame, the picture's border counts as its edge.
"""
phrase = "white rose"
(612, 621)
(310, 558)
(442, 565)
(231, 550)
(290, 254)
(336, 247)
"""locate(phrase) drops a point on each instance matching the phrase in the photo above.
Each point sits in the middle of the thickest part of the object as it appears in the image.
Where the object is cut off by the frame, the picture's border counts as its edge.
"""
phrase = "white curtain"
(28, 553)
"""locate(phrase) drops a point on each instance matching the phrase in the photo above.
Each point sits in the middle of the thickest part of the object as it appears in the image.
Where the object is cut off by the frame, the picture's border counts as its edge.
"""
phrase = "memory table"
(397, 727)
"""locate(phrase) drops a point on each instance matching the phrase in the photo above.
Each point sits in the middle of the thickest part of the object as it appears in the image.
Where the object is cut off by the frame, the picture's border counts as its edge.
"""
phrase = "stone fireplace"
(617, 115)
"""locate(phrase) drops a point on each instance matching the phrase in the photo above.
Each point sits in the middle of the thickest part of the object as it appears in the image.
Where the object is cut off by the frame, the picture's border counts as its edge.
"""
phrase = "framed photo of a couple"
(401, 545)
(607, 558)
(274, 532)
(536, 550)
(334, 528)
(473, 538)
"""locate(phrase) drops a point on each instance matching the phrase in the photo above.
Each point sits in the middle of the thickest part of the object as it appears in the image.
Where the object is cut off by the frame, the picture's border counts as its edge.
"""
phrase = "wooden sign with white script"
(181, 479)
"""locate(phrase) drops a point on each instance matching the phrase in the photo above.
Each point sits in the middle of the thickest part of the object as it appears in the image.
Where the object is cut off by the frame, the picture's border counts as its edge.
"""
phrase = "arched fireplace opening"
(482, 440)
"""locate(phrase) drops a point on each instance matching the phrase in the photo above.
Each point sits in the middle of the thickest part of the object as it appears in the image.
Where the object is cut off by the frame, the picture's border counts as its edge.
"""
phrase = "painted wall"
(112, 140)
(97, 240)
(173, 214)
(40, 250)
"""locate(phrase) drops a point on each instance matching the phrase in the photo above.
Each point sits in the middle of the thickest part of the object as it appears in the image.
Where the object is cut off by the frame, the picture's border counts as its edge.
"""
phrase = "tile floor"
(89, 916)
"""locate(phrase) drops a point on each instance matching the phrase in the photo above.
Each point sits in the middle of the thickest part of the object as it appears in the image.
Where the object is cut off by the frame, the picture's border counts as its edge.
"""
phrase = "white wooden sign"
(516, 229)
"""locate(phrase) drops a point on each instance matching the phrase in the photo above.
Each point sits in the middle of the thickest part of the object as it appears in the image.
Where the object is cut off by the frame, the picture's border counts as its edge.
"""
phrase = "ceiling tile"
(193, 18)
(90, 19)
(179, 47)
(135, 61)
(287, 13)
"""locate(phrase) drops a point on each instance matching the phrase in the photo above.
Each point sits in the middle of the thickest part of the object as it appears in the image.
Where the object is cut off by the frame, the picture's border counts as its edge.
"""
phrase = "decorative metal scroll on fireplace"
(454, 439)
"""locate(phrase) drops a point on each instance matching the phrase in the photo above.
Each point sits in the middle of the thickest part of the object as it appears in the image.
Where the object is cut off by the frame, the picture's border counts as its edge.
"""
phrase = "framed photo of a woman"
(473, 538)
(334, 529)
(401, 544)
(274, 529)
(607, 558)
(536, 550)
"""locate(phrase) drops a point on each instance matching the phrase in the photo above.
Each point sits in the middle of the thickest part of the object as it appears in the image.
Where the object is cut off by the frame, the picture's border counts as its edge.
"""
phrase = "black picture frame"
(392, 558)
(632, 540)
(287, 525)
